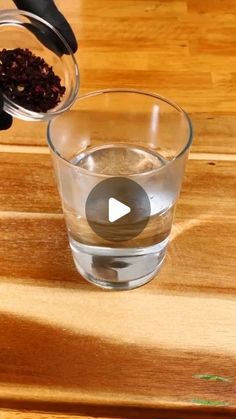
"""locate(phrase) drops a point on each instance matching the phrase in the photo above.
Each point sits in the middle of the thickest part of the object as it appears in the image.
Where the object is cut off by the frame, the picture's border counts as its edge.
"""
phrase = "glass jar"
(20, 29)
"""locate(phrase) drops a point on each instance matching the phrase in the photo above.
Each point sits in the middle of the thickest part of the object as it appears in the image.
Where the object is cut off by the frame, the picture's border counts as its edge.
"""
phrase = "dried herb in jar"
(29, 81)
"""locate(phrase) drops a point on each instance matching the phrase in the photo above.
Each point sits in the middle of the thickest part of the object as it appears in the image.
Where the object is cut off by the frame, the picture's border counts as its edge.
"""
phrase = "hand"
(47, 10)
(5, 118)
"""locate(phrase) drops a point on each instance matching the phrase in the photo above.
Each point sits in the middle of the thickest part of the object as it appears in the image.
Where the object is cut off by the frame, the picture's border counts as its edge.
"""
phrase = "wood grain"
(117, 413)
(74, 351)
(181, 49)
(30, 415)
(49, 311)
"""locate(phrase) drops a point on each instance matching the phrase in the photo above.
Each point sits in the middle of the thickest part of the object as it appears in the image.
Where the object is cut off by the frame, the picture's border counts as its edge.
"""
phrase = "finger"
(5, 121)
(1, 101)
(47, 10)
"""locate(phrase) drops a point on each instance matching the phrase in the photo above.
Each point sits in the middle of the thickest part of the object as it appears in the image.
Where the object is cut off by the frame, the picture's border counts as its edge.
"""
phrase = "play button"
(118, 209)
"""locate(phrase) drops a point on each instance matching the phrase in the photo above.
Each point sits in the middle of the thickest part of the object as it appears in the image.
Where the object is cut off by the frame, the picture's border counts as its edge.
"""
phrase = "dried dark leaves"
(29, 81)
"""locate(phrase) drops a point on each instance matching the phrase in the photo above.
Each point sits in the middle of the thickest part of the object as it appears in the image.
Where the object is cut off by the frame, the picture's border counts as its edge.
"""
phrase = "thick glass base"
(120, 286)
(118, 269)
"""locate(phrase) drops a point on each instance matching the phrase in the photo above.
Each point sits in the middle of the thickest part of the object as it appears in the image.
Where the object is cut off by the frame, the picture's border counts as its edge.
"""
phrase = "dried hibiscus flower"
(29, 81)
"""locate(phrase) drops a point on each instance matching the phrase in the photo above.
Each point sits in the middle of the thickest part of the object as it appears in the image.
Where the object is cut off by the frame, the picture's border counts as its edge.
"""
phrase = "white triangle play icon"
(117, 210)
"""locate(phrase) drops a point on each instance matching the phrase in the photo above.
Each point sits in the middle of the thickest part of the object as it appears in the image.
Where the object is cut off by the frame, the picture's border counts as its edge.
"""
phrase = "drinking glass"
(119, 157)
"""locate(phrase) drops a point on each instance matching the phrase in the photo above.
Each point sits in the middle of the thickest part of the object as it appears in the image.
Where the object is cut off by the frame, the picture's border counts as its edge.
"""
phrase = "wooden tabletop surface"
(167, 349)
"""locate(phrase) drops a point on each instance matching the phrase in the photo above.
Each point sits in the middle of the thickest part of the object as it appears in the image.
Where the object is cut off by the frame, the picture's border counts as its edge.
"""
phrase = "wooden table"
(169, 348)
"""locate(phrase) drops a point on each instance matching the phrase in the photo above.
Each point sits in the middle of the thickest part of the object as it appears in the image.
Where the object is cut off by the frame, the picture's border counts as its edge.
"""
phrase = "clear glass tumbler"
(119, 158)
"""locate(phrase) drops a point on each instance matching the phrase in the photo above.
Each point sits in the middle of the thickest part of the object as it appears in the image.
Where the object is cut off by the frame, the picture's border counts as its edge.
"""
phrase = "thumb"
(5, 118)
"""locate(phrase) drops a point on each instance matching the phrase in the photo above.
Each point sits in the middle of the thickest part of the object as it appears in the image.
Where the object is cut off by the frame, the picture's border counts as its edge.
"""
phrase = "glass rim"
(13, 108)
(125, 90)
